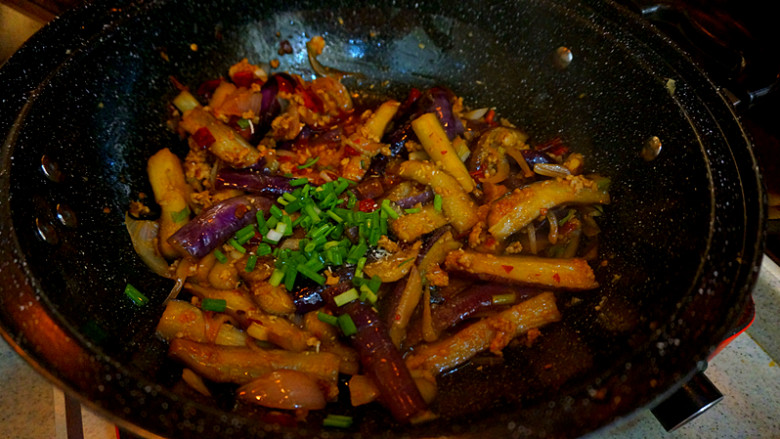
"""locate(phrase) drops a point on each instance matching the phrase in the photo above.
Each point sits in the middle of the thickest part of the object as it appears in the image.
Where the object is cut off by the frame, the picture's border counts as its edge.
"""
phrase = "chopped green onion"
(388, 209)
(334, 216)
(243, 123)
(352, 200)
(138, 298)
(216, 305)
(413, 210)
(347, 325)
(264, 249)
(276, 212)
(311, 274)
(290, 274)
(288, 196)
(261, 226)
(181, 215)
(276, 277)
(236, 245)
(339, 421)
(245, 234)
(375, 283)
(309, 163)
(298, 182)
(437, 202)
(251, 262)
(346, 297)
(220, 256)
(327, 318)
(367, 295)
(504, 299)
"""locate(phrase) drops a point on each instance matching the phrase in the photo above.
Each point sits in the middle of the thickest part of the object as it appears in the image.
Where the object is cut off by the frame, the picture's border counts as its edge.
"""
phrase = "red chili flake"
(478, 174)
(241, 210)
(397, 317)
(490, 241)
(508, 268)
(554, 146)
(203, 137)
(489, 116)
(368, 205)
(207, 88)
(414, 94)
(444, 152)
(557, 277)
(350, 151)
(285, 86)
(244, 78)
(310, 100)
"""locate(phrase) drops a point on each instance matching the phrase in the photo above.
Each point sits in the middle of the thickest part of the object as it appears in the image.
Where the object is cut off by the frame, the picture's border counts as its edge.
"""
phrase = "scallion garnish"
(388, 209)
(347, 325)
(413, 210)
(233, 243)
(138, 298)
(251, 262)
(327, 318)
(216, 305)
(243, 123)
(437, 202)
(220, 256)
(181, 215)
(339, 421)
(346, 297)
(298, 182)
(276, 277)
(309, 163)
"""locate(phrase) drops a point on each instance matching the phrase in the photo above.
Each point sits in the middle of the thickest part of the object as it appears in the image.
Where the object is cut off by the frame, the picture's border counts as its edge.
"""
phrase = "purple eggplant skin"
(249, 180)
(439, 100)
(380, 359)
(412, 200)
(215, 225)
(533, 157)
(383, 363)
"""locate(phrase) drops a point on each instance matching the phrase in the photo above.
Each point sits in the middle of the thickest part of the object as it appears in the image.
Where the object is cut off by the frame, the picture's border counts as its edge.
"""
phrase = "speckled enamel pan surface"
(84, 104)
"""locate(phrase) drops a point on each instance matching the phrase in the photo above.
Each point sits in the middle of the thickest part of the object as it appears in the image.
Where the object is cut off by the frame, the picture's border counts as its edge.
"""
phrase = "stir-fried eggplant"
(396, 242)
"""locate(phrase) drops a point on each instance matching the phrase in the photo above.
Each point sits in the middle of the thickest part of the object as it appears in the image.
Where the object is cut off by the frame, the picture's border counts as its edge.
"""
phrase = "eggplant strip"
(228, 145)
(574, 274)
(439, 148)
(241, 365)
(457, 204)
(381, 360)
(239, 305)
(394, 266)
(411, 226)
(171, 193)
(215, 225)
(492, 333)
(516, 210)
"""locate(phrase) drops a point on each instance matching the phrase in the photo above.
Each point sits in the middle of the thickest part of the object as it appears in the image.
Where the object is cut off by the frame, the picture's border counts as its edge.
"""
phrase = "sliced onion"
(477, 114)
(284, 389)
(551, 170)
(143, 234)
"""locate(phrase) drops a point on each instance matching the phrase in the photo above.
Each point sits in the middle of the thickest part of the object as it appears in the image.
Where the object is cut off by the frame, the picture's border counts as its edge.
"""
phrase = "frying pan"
(85, 103)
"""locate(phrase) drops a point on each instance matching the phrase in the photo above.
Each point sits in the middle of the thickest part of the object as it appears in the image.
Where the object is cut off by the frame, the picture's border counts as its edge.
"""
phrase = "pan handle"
(689, 401)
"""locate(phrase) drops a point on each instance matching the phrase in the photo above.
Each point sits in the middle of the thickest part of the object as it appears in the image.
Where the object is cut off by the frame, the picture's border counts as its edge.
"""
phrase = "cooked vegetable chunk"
(516, 210)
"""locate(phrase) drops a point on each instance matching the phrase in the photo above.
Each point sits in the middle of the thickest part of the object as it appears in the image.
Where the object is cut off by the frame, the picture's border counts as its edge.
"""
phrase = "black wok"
(85, 102)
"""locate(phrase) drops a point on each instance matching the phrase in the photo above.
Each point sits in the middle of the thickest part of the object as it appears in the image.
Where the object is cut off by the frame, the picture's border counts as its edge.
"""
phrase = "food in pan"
(318, 236)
